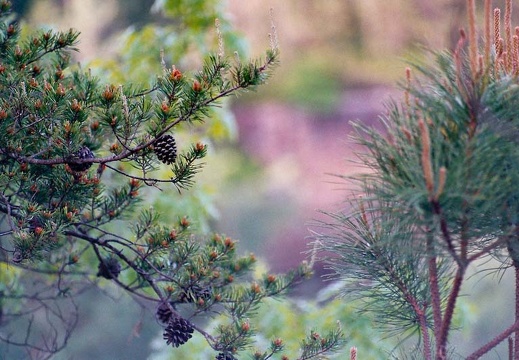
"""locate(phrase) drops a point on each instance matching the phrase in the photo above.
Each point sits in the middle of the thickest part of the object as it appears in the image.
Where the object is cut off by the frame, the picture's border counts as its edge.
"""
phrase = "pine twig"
(494, 342)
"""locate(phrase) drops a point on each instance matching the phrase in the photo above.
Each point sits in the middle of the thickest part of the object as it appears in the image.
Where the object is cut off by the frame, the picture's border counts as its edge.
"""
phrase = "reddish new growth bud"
(173, 234)
(108, 94)
(284, 357)
(33, 83)
(164, 106)
(245, 326)
(11, 30)
(61, 90)
(164, 244)
(255, 288)
(3, 114)
(114, 148)
(169, 289)
(67, 127)
(94, 125)
(199, 147)
(201, 302)
(197, 87)
(229, 243)
(175, 75)
(271, 278)
(75, 106)
(74, 259)
(184, 222)
(213, 255)
(38, 230)
(31, 208)
(315, 336)
(59, 74)
(323, 342)
(277, 342)
(134, 183)
(2, 68)
(38, 104)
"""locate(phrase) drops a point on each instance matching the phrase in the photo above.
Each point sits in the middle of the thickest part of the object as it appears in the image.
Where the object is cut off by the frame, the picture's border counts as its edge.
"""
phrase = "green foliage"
(66, 133)
(182, 32)
(440, 194)
(281, 323)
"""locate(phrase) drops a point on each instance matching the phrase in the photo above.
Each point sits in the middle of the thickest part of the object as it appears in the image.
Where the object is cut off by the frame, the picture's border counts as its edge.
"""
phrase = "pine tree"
(440, 192)
(74, 155)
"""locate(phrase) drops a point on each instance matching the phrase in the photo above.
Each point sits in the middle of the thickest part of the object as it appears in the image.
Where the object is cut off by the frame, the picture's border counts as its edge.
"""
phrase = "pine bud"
(175, 75)
(197, 87)
(245, 326)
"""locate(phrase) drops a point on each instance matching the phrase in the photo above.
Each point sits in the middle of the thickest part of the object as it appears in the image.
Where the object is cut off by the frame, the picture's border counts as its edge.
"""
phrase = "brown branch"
(494, 342)
(125, 154)
(435, 291)
(441, 342)
(444, 227)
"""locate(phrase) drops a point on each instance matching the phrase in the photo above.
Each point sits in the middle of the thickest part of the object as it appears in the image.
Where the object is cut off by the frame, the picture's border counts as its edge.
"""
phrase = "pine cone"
(192, 293)
(225, 356)
(178, 331)
(109, 268)
(81, 154)
(166, 149)
(164, 313)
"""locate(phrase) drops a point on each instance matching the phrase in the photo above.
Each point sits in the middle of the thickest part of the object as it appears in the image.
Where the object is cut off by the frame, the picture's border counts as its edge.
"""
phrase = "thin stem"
(435, 291)
(494, 342)
(441, 342)
(425, 333)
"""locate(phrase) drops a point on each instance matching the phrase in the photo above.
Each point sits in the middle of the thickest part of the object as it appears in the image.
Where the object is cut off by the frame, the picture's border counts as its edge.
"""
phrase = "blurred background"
(274, 152)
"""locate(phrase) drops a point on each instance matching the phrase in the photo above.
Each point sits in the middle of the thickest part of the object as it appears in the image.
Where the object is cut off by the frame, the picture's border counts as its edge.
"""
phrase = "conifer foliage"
(74, 155)
(440, 193)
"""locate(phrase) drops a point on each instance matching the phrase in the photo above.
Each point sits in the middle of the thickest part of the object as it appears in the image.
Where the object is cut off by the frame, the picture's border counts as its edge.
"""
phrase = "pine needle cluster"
(68, 140)
(440, 192)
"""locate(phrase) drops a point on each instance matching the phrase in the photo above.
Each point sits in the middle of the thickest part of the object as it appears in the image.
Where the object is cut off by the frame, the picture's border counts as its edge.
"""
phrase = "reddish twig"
(494, 342)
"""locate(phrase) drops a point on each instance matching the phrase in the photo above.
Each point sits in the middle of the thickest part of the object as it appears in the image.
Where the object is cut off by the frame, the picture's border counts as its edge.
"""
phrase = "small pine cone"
(225, 356)
(166, 149)
(164, 313)
(81, 154)
(109, 268)
(178, 331)
(193, 293)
